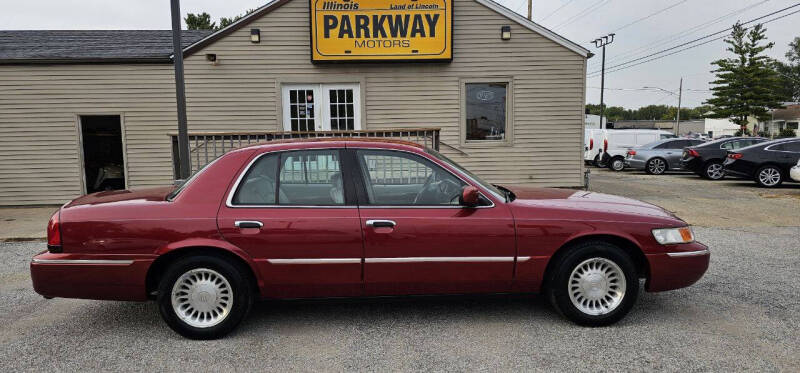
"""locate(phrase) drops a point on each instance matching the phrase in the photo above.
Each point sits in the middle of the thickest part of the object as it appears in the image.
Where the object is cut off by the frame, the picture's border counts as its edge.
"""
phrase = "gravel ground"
(743, 315)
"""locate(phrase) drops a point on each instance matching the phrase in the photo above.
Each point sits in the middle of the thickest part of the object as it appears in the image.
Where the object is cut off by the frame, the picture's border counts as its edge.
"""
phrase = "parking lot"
(743, 315)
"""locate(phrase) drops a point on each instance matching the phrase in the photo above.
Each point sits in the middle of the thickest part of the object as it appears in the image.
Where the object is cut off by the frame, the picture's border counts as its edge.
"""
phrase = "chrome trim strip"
(521, 259)
(688, 253)
(470, 259)
(316, 261)
(83, 261)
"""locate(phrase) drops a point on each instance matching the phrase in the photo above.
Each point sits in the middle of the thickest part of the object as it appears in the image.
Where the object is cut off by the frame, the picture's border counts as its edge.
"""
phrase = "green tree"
(225, 21)
(744, 85)
(200, 21)
(789, 73)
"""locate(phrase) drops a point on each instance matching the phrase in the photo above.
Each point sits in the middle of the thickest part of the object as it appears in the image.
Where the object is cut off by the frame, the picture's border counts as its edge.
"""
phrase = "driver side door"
(418, 239)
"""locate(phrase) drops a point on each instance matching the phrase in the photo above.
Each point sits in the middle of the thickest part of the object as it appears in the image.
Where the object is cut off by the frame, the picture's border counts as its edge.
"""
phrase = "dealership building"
(82, 111)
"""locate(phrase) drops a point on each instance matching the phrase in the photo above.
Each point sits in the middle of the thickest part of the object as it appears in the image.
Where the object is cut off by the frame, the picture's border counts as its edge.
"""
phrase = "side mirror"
(470, 196)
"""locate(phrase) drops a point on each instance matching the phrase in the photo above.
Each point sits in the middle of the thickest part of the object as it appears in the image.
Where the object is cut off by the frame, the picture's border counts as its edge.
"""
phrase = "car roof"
(727, 139)
(300, 143)
(768, 143)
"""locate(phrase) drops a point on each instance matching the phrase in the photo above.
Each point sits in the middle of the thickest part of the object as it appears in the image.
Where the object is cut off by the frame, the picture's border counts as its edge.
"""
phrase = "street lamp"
(601, 42)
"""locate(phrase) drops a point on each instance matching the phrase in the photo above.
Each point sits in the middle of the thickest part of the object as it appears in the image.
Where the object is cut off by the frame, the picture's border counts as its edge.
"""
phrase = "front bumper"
(677, 268)
(90, 276)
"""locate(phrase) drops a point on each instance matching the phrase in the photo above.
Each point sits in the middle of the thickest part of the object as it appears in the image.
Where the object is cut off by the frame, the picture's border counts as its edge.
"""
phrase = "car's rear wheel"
(769, 176)
(594, 284)
(656, 166)
(714, 170)
(617, 164)
(204, 297)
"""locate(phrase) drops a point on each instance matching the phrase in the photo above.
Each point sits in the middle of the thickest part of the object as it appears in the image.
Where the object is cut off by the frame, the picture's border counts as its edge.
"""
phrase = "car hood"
(588, 205)
(122, 196)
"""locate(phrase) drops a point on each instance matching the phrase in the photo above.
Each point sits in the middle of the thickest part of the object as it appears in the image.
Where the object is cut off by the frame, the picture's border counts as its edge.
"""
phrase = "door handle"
(248, 224)
(381, 223)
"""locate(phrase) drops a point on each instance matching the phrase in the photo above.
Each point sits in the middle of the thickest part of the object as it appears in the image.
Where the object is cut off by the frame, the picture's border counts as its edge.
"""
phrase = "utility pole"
(598, 43)
(530, 10)
(678, 117)
(180, 92)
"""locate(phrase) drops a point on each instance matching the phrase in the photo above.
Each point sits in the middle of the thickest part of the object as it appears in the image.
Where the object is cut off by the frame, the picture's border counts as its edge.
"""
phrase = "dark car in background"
(706, 159)
(660, 156)
(768, 163)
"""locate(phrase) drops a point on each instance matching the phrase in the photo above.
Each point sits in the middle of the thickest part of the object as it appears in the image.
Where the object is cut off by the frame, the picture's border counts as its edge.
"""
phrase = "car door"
(672, 151)
(293, 214)
(787, 155)
(418, 239)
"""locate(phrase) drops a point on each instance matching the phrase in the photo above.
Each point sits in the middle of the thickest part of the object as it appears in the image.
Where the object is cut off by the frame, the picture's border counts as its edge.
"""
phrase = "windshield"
(477, 180)
(188, 181)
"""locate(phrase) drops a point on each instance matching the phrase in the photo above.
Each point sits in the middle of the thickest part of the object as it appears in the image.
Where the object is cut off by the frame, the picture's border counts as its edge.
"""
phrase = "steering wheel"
(435, 190)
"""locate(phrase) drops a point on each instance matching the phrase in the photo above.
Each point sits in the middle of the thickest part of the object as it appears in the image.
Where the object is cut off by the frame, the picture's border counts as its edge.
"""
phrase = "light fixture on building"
(505, 33)
(211, 57)
(255, 35)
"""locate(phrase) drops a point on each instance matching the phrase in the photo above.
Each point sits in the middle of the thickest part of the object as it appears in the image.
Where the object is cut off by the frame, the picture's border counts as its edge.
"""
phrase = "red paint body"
(515, 240)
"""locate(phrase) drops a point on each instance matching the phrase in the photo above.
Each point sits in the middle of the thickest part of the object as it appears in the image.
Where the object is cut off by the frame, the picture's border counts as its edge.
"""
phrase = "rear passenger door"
(672, 150)
(299, 222)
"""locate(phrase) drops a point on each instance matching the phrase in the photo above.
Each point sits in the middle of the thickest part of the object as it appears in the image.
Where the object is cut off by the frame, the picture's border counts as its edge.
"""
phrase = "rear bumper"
(692, 164)
(636, 164)
(679, 268)
(89, 276)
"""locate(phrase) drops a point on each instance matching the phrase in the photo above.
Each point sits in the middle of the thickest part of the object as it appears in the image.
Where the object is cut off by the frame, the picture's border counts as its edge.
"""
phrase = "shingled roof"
(154, 46)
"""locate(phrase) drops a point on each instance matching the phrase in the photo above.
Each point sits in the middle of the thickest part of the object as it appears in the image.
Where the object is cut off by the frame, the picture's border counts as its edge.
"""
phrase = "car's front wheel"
(769, 176)
(594, 284)
(656, 166)
(714, 170)
(204, 297)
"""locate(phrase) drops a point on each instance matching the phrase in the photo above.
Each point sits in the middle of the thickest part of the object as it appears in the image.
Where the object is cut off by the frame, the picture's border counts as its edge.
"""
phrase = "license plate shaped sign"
(381, 30)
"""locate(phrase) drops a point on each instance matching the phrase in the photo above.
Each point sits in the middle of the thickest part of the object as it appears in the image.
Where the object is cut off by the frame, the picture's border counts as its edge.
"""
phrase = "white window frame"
(322, 115)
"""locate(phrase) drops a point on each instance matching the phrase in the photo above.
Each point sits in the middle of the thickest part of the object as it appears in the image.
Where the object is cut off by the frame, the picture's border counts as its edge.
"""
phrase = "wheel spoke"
(597, 286)
(202, 297)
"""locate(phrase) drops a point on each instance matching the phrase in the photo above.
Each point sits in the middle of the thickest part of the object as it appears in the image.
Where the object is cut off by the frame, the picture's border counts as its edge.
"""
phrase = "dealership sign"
(368, 30)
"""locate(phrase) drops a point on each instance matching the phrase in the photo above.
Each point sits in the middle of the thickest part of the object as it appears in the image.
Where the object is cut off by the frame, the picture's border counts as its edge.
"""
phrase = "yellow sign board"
(369, 30)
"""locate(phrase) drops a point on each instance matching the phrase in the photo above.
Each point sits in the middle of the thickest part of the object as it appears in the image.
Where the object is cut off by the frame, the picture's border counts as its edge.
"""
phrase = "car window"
(312, 177)
(674, 144)
(793, 146)
(397, 178)
(309, 178)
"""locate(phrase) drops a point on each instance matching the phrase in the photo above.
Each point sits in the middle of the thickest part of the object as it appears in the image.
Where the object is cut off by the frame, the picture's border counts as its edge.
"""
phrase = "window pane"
(486, 111)
(311, 178)
(258, 186)
(394, 178)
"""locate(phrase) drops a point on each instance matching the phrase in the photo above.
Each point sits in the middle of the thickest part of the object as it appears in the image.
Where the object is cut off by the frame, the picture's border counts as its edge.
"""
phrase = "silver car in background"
(660, 156)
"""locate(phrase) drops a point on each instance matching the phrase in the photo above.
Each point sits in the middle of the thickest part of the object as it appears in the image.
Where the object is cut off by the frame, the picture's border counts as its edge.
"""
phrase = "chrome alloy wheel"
(597, 286)
(769, 176)
(202, 297)
(714, 171)
(656, 166)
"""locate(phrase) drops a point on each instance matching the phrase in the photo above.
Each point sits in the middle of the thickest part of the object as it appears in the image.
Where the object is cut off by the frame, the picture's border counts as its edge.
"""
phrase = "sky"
(641, 27)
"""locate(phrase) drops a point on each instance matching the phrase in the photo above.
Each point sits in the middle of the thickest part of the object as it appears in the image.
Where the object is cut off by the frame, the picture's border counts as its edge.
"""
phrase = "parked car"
(706, 159)
(767, 163)
(794, 173)
(357, 217)
(619, 141)
(595, 144)
(659, 156)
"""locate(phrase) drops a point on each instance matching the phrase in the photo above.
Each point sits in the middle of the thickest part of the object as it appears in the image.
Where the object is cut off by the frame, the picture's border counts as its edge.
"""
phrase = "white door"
(321, 107)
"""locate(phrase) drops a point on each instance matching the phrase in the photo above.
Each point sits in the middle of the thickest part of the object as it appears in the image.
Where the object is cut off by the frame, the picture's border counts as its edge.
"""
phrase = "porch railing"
(204, 147)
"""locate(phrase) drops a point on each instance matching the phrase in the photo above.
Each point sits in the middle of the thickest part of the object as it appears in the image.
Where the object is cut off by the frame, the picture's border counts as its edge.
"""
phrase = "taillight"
(735, 155)
(631, 152)
(693, 153)
(591, 144)
(54, 234)
(605, 145)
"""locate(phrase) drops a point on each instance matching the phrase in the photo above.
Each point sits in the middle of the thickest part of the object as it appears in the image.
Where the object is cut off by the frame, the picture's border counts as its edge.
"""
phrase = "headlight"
(671, 236)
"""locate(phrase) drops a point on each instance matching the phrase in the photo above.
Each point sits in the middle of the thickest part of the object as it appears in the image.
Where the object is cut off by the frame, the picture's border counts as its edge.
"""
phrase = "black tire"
(652, 167)
(558, 283)
(237, 278)
(617, 164)
(598, 161)
(769, 182)
(713, 170)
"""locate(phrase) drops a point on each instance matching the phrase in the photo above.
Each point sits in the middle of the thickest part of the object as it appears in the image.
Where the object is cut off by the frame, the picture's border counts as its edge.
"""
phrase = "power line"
(592, 74)
(556, 11)
(650, 15)
(586, 11)
(679, 35)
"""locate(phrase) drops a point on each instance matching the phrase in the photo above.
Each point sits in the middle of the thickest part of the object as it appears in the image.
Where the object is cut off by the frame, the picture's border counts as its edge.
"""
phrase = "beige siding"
(39, 151)
(39, 108)
(547, 79)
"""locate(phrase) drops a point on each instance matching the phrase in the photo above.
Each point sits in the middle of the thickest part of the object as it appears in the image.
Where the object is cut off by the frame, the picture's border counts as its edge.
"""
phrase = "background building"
(508, 103)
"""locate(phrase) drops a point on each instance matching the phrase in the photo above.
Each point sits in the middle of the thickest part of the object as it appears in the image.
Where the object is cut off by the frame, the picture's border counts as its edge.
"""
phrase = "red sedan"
(348, 218)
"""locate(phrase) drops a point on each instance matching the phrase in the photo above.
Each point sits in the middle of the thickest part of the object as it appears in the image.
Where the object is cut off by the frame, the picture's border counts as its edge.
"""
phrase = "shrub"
(746, 132)
(787, 132)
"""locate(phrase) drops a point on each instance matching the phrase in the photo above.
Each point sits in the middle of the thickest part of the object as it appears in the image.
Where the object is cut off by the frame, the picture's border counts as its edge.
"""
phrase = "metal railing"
(204, 147)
